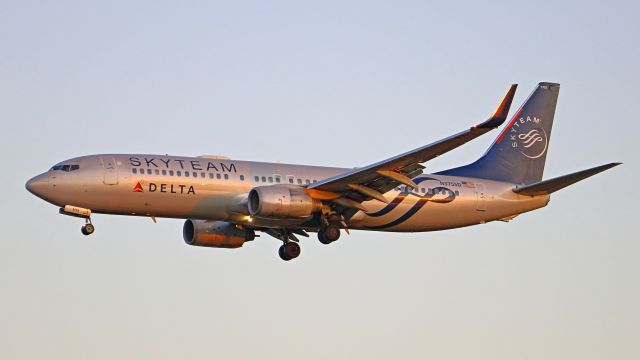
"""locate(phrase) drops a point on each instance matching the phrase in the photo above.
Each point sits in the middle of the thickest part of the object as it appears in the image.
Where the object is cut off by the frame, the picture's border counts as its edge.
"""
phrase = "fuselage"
(213, 188)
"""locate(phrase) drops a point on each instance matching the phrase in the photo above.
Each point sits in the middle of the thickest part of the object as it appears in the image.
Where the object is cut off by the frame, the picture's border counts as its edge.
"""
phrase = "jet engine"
(218, 234)
(282, 202)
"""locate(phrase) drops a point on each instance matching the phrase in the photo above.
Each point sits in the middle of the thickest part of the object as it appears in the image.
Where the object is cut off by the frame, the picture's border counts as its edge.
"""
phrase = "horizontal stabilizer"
(552, 185)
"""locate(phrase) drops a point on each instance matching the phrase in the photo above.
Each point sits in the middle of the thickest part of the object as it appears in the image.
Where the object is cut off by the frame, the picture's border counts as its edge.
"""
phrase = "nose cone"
(38, 185)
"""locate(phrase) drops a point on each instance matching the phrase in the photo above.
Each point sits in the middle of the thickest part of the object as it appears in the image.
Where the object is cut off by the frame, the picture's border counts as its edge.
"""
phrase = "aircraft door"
(481, 197)
(110, 170)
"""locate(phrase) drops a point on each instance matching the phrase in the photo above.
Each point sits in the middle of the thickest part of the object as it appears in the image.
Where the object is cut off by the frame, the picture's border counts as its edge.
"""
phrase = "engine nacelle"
(282, 202)
(218, 234)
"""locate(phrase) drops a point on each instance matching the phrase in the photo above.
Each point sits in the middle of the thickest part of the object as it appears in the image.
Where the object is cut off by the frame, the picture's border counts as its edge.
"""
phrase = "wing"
(349, 189)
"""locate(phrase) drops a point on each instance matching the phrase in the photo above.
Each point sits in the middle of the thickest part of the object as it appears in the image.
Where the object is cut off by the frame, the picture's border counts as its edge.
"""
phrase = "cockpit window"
(66, 167)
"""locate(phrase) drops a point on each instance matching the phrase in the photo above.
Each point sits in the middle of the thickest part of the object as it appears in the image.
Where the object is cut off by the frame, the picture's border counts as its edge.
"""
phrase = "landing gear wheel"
(289, 250)
(88, 229)
(329, 234)
(323, 238)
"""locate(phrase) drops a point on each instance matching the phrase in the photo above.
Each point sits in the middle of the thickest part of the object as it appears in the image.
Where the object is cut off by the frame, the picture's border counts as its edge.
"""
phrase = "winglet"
(501, 112)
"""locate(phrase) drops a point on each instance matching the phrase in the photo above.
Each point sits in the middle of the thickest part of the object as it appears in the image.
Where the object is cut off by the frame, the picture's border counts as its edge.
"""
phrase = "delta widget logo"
(138, 187)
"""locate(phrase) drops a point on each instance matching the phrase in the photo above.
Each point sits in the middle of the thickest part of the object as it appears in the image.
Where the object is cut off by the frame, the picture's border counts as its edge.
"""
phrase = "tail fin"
(518, 154)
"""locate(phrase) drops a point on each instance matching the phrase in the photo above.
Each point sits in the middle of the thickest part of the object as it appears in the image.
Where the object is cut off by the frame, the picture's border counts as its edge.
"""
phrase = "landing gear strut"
(88, 228)
(329, 234)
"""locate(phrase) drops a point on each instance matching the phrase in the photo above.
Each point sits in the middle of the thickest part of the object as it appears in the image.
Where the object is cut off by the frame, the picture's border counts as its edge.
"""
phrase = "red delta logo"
(138, 187)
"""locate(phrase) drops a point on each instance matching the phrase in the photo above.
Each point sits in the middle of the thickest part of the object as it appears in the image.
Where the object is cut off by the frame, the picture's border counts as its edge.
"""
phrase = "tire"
(331, 233)
(323, 239)
(282, 254)
(291, 250)
(89, 229)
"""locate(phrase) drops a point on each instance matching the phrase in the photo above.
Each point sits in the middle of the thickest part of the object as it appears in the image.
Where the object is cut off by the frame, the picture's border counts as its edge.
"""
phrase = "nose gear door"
(110, 170)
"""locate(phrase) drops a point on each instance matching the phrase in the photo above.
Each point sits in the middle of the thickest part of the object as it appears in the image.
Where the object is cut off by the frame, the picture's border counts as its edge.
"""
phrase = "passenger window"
(257, 179)
(134, 170)
(164, 172)
(202, 175)
(226, 176)
(157, 172)
(186, 174)
(241, 177)
(278, 179)
(218, 176)
(290, 180)
(178, 173)
(457, 193)
(148, 171)
(315, 181)
(300, 181)
(307, 181)
(210, 175)
(270, 179)
(195, 174)
(171, 172)
(264, 179)
(423, 190)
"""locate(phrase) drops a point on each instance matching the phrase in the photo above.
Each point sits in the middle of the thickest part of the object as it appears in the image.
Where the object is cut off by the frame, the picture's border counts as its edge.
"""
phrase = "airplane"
(225, 202)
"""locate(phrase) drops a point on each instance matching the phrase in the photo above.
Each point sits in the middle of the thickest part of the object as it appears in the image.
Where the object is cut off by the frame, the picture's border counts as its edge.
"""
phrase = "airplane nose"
(37, 185)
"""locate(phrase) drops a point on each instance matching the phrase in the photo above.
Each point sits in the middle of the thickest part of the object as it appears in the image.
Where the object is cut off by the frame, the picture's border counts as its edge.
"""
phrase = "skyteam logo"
(531, 142)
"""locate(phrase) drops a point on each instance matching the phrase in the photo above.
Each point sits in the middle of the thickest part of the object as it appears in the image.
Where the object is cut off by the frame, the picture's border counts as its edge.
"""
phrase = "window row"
(277, 180)
(194, 174)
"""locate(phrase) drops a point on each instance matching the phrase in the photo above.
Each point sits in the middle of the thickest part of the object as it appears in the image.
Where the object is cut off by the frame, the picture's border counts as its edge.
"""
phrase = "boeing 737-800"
(227, 201)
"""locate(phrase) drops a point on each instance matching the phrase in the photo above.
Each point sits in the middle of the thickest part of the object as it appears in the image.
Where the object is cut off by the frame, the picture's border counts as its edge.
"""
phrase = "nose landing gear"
(76, 211)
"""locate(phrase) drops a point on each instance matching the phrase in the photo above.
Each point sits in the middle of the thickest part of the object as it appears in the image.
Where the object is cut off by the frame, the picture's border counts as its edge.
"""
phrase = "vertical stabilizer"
(518, 154)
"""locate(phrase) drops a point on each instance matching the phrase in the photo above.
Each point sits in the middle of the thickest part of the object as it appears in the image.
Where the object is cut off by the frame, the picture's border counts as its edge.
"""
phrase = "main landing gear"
(88, 228)
(329, 234)
(289, 250)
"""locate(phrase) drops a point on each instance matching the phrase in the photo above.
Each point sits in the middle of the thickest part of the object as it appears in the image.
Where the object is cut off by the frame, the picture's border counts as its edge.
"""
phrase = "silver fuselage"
(214, 189)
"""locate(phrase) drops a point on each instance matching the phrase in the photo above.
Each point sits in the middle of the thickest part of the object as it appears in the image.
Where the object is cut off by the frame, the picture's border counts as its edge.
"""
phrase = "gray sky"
(328, 83)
